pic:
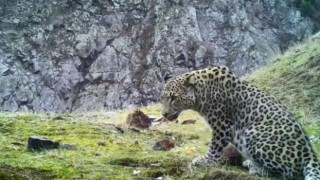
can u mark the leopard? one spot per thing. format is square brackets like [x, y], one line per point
[261, 128]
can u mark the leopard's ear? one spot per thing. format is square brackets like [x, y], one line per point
[190, 80]
[167, 77]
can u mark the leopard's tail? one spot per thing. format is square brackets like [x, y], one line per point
[312, 170]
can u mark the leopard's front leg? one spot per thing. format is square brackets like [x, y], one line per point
[220, 139]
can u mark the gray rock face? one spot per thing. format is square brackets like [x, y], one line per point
[92, 55]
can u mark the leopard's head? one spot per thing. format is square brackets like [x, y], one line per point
[178, 94]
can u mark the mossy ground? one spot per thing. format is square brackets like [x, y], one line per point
[104, 153]
[118, 156]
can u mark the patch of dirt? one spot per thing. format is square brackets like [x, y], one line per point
[164, 145]
[129, 162]
[189, 121]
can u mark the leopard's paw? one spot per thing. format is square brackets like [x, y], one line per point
[203, 161]
[254, 170]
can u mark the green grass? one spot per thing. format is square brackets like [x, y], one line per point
[118, 158]
[294, 79]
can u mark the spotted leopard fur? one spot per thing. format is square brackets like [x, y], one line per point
[256, 123]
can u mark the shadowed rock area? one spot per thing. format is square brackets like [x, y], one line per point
[78, 56]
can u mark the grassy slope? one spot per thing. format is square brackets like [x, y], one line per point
[293, 78]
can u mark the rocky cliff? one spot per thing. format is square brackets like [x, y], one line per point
[89, 55]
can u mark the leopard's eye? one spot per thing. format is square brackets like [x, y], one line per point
[172, 98]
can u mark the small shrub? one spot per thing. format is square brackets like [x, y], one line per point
[307, 7]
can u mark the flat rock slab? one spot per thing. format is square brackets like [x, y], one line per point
[36, 143]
